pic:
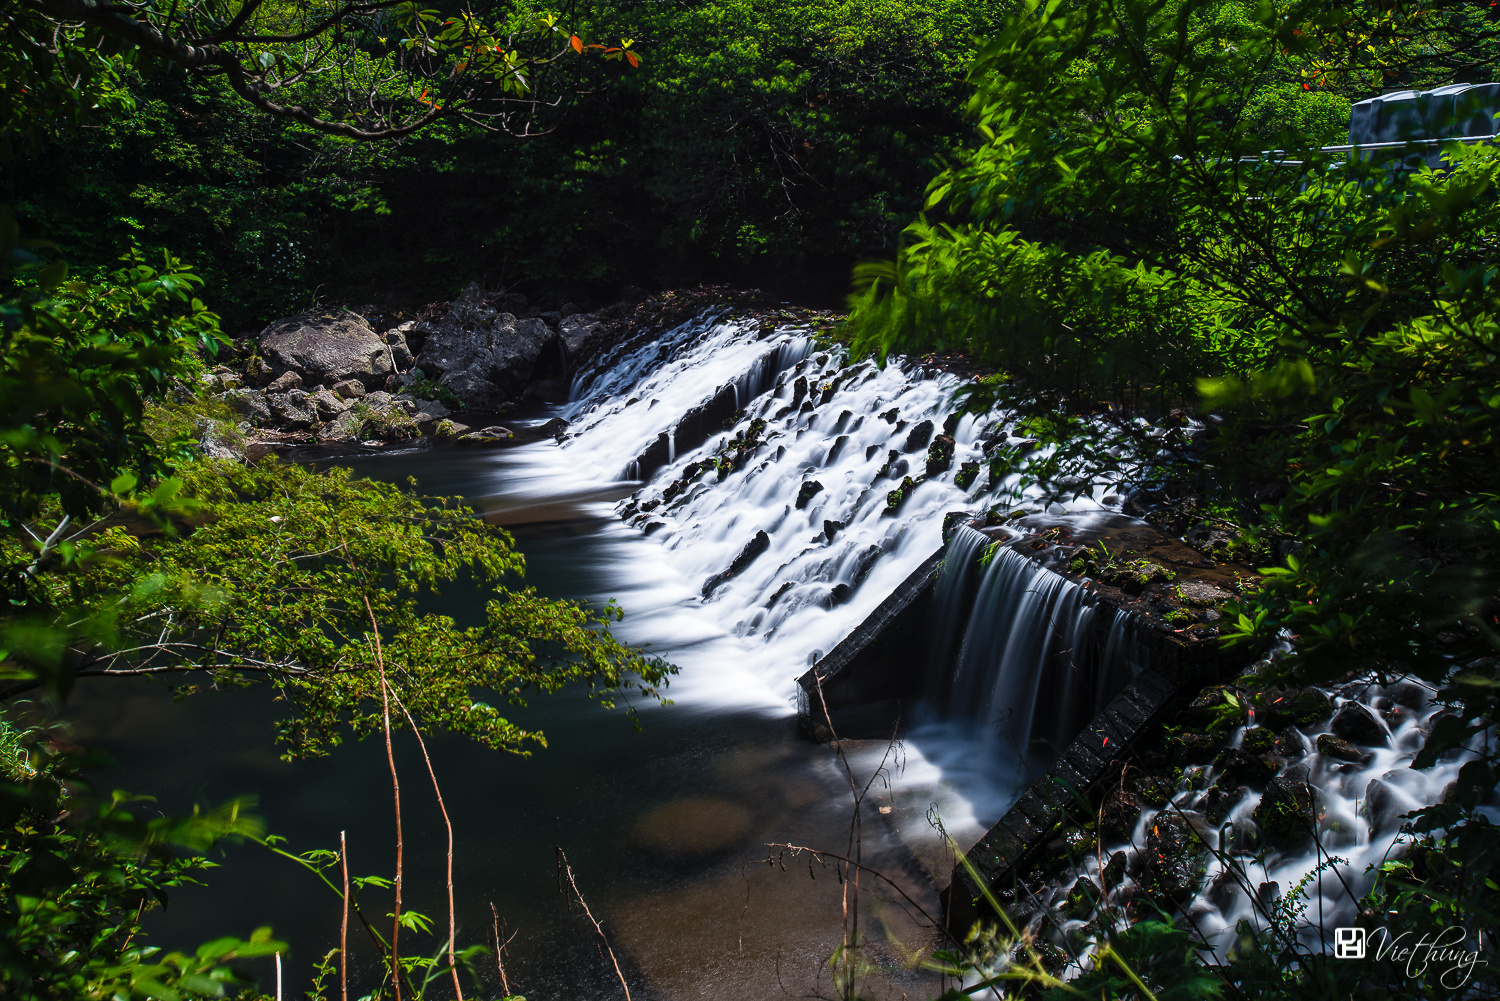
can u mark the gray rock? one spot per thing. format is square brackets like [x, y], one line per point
[328, 348]
[350, 389]
[216, 441]
[483, 355]
[285, 383]
[432, 409]
[345, 427]
[487, 435]
[249, 403]
[576, 329]
[291, 411]
[395, 339]
[1201, 594]
[328, 405]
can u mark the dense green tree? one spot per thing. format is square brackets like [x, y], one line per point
[1124, 249]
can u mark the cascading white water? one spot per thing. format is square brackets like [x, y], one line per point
[1029, 666]
[1315, 887]
[825, 565]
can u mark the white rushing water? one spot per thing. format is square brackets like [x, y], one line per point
[812, 573]
[747, 642]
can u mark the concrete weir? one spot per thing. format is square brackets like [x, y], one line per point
[863, 684]
[866, 684]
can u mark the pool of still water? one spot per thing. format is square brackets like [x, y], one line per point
[667, 828]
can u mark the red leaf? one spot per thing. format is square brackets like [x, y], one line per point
[577, 44]
[635, 60]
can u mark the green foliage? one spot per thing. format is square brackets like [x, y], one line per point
[1120, 245]
[77, 361]
[79, 871]
[279, 579]
[765, 142]
[1118, 568]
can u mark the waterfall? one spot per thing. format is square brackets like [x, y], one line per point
[1030, 666]
[765, 507]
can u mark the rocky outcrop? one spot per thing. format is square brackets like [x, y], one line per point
[485, 356]
[329, 348]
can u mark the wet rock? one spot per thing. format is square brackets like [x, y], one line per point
[1114, 870]
[1407, 694]
[328, 348]
[940, 455]
[835, 449]
[752, 549]
[1212, 705]
[918, 436]
[1118, 813]
[1289, 742]
[952, 520]
[1157, 790]
[967, 473]
[1334, 747]
[250, 404]
[1193, 748]
[831, 528]
[555, 428]
[1083, 898]
[951, 422]
[1358, 725]
[1258, 740]
[1285, 813]
[807, 492]
[1174, 856]
[895, 498]
[1383, 807]
[1240, 767]
[447, 429]
[1219, 800]
[1304, 707]
[890, 415]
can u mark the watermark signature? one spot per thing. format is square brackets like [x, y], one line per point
[1444, 954]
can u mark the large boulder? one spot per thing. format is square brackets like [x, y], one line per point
[483, 355]
[328, 348]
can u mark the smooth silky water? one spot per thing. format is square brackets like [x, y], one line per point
[666, 828]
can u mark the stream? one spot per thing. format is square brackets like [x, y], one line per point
[666, 828]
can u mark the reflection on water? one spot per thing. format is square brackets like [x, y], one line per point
[666, 828]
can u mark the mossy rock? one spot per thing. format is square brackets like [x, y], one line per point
[1259, 739]
[1285, 814]
[448, 430]
[1303, 707]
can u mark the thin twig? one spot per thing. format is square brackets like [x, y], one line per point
[500, 950]
[390, 757]
[452, 931]
[344, 922]
[565, 871]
